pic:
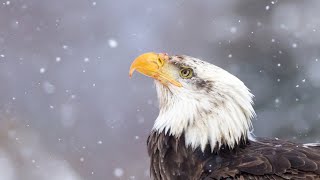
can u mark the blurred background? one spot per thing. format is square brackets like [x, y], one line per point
[68, 110]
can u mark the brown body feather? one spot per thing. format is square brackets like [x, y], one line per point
[261, 159]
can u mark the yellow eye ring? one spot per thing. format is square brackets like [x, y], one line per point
[186, 73]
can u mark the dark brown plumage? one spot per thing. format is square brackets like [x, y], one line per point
[262, 159]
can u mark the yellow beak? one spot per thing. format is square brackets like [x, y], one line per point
[156, 66]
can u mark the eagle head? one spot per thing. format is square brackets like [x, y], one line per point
[198, 100]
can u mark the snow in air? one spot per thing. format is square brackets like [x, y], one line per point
[294, 45]
[259, 24]
[113, 43]
[42, 70]
[233, 30]
[118, 172]
[58, 59]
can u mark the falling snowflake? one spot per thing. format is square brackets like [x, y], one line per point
[259, 24]
[233, 30]
[118, 172]
[112, 43]
[86, 59]
[42, 70]
[294, 45]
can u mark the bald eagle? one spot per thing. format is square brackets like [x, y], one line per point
[203, 130]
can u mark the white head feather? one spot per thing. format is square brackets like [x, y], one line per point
[213, 107]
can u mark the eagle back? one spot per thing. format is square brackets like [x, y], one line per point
[170, 159]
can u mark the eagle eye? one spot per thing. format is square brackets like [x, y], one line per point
[160, 61]
[186, 73]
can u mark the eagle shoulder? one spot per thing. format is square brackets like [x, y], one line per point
[261, 159]
[267, 159]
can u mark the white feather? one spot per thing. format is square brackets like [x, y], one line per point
[221, 116]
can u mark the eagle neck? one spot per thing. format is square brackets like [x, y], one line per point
[219, 118]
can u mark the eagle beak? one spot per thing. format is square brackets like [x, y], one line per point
[156, 66]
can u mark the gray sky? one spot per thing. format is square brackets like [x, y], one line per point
[68, 110]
